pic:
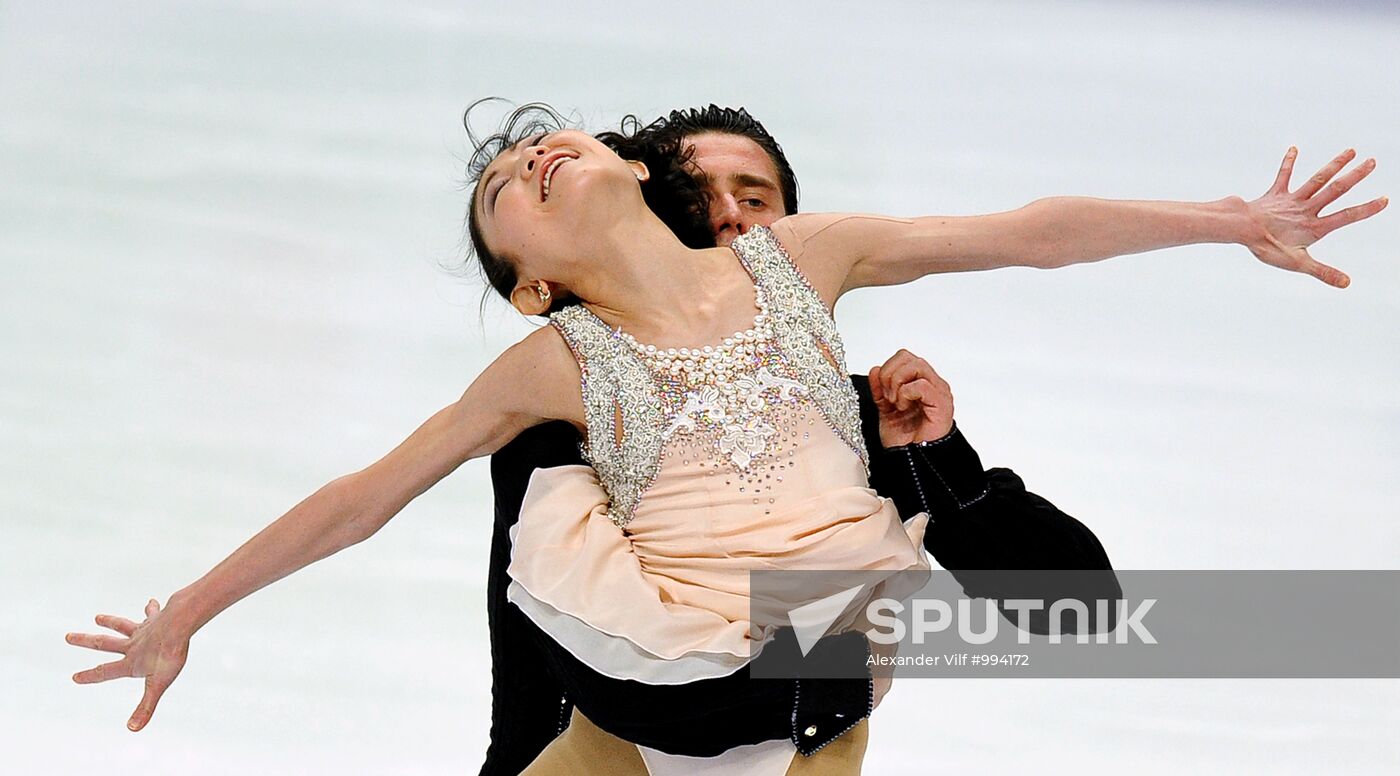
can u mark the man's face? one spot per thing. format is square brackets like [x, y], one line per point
[741, 180]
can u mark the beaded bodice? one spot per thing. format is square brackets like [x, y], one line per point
[732, 404]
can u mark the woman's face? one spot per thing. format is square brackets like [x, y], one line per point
[542, 197]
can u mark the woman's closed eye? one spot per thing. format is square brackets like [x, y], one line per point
[496, 191]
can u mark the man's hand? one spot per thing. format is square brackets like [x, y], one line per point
[1285, 223]
[915, 404]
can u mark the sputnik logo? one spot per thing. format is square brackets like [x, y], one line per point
[811, 621]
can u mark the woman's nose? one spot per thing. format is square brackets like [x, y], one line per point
[531, 157]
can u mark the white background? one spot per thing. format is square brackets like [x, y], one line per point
[224, 229]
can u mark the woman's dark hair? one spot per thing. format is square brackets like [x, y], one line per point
[671, 193]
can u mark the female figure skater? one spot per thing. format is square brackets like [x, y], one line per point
[710, 388]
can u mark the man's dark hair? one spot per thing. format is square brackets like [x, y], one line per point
[667, 134]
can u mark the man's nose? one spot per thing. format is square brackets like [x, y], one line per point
[726, 215]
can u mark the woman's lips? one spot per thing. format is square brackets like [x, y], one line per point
[551, 164]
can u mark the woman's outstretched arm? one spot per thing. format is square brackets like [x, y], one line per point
[344, 512]
[1277, 227]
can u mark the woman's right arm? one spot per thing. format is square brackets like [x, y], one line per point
[346, 510]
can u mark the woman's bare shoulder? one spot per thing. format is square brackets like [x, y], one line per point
[545, 376]
[825, 246]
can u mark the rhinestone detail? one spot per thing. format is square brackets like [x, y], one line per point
[741, 394]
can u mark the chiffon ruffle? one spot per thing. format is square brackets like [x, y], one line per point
[632, 609]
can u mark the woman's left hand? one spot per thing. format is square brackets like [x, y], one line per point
[1284, 223]
[154, 649]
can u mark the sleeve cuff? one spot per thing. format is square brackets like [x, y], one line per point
[947, 466]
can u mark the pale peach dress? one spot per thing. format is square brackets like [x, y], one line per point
[746, 456]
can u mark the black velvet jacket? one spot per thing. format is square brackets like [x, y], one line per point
[979, 520]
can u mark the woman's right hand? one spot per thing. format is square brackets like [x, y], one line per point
[154, 649]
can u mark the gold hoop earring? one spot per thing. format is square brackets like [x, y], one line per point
[544, 294]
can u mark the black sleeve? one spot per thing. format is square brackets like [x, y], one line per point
[528, 708]
[986, 528]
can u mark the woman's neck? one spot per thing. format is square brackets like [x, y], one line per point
[662, 292]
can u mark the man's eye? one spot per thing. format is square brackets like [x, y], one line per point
[751, 202]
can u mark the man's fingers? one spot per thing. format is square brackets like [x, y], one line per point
[899, 357]
[112, 670]
[877, 388]
[98, 641]
[147, 707]
[922, 392]
[152, 608]
[891, 367]
[1285, 171]
[1353, 214]
[119, 624]
[1316, 182]
[914, 369]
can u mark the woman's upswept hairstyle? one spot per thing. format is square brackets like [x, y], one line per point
[671, 193]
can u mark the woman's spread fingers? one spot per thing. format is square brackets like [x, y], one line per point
[119, 624]
[1353, 214]
[1316, 182]
[1342, 185]
[98, 641]
[112, 670]
[1329, 275]
[1285, 171]
[147, 707]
